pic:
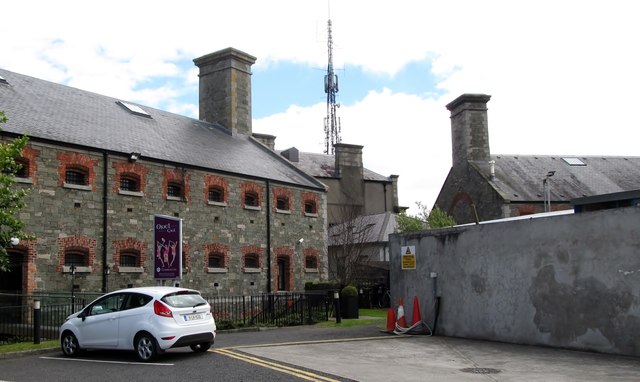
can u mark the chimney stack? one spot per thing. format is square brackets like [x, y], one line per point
[225, 89]
[469, 128]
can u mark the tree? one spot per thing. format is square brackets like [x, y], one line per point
[425, 219]
[11, 200]
[349, 252]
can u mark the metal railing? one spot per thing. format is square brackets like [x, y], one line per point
[18, 322]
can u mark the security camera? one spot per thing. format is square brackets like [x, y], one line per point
[301, 240]
[15, 241]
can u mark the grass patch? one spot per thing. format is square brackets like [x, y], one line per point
[373, 316]
[24, 346]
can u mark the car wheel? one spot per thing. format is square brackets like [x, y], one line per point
[69, 344]
[201, 348]
[146, 347]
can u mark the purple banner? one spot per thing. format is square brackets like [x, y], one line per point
[167, 247]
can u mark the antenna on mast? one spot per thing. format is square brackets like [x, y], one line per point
[331, 121]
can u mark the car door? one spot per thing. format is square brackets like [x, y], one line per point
[135, 311]
[99, 328]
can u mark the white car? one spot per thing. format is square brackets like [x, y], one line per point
[147, 320]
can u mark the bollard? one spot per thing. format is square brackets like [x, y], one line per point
[37, 319]
[336, 306]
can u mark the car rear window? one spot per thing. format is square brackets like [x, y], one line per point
[184, 299]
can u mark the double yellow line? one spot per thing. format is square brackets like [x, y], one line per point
[274, 366]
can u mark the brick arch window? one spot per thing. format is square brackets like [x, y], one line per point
[76, 250]
[77, 175]
[129, 177]
[76, 169]
[176, 184]
[130, 258]
[216, 260]
[311, 259]
[251, 195]
[216, 190]
[76, 257]
[129, 253]
[251, 260]
[217, 257]
[130, 182]
[23, 168]
[310, 202]
[283, 197]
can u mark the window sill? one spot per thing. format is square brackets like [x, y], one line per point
[311, 270]
[310, 215]
[24, 180]
[175, 198]
[217, 270]
[286, 212]
[82, 187]
[219, 204]
[252, 270]
[130, 270]
[67, 269]
[131, 193]
[252, 208]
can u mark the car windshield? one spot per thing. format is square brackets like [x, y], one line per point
[184, 299]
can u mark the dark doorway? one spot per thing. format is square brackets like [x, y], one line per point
[283, 274]
[11, 280]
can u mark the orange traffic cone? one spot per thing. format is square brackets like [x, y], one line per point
[391, 320]
[402, 321]
[416, 311]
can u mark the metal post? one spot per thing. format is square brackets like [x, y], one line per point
[73, 281]
[336, 305]
[37, 321]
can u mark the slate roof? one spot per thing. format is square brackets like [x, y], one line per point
[519, 178]
[377, 229]
[50, 111]
[324, 166]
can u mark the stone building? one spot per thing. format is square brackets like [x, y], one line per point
[99, 169]
[482, 186]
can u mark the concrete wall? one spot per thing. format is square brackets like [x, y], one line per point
[569, 281]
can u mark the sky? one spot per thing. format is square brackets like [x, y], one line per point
[564, 76]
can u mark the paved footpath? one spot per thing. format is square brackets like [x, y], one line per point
[425, 358]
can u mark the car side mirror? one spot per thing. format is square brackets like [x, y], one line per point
[83, 315]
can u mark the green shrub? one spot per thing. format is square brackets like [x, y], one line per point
[349, 291]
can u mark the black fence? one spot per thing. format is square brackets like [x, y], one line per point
[18, 323]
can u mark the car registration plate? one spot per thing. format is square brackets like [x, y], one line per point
[193, 317]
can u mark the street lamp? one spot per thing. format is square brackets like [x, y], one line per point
[547, 191]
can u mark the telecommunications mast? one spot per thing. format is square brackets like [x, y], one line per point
[331, 121]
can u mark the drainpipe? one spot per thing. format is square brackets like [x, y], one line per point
[105, 158]
[268, 237]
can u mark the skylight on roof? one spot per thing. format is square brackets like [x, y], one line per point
[134, 109]
[3, 80]
[573, 161]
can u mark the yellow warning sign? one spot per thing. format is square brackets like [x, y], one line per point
[408, 257]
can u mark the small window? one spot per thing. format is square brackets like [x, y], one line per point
[22, 170]
[129, 182]
[75, 257]
[310, 207]
[311, 262]
[216, 260]
[251, 260]
[76, 175]
[216, 194]
[251, 199]
[129, 259]
[282, 203]
[134, 109]
[174, 189]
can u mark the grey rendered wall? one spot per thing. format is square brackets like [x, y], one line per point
[569, 281]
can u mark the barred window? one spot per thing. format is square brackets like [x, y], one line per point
[174, 189]
[75, 257]
[311, 262]
[282, 203]
[310, 207]
[251, 260]
[130, 259]
[22, 170]
[129, 182]
[76, 175]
